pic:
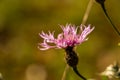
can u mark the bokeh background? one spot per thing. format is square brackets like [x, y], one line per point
[22, 20]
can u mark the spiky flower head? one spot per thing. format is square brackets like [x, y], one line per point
[69, 37]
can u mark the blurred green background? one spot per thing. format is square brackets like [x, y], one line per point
[22, 20]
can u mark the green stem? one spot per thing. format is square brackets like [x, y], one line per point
[87, 12]
[65, 73]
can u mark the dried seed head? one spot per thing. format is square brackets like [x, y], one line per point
[112, 71]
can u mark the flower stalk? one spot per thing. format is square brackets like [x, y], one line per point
[65, 72]
[87, 12]
[102, 3]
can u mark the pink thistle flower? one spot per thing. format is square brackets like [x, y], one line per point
[70, 37]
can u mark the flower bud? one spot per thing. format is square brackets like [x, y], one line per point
[71, 57]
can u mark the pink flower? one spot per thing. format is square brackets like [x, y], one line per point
[70, 37]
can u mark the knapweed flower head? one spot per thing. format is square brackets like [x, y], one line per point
[69, 37]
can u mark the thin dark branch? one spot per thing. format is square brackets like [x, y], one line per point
[115, 28]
